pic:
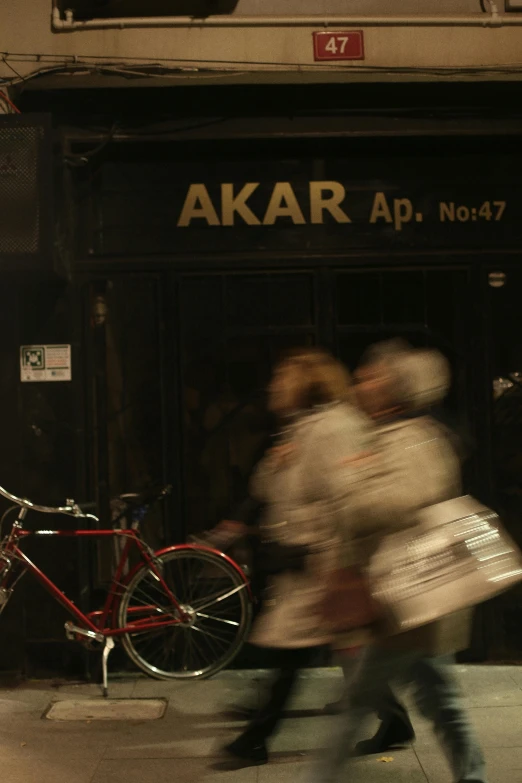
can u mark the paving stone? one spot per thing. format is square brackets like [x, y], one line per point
[23, 765]
[168, 771]
[503, 765]
[403, 768]
[185, 745]
[489, 686]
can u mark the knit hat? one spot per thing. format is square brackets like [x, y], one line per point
[420, 376]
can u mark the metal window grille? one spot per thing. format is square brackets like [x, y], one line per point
[25, 191]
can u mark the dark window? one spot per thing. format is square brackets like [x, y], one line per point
[234, 329]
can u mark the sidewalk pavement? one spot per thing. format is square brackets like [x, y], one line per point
[183, 746]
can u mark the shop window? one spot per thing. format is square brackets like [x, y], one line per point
[269, 301]
[359, 298]
[380, 298]
[403, 297]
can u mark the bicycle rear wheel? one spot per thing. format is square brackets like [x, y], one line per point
[214, 595]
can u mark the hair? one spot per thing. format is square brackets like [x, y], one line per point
[419, 377]
[321, 377]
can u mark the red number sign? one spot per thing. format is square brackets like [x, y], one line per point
[339, 46]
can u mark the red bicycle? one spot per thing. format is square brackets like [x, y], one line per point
[181, 612]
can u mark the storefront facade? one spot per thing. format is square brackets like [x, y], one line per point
[192, 256]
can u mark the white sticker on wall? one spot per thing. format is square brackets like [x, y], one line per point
[45, 363]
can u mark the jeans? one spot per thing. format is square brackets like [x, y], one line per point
[437, 697]
[390, 712]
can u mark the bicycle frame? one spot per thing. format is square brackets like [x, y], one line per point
[149, 615]
[97, 622]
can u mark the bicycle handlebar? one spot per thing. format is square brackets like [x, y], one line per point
[71, 509]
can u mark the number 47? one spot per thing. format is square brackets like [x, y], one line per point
[331, 46]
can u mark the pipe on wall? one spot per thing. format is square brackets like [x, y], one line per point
[493, 19]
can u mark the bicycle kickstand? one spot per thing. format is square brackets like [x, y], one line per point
[109, 645]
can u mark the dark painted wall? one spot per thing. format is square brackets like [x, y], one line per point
[42, 458]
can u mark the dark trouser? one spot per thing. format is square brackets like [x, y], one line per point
[390, 710]
[265, 722]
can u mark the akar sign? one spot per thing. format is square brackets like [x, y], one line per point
[325, 197]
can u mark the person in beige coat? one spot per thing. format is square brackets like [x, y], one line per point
[302, 485]
[413, 465]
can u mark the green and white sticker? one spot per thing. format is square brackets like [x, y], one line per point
[45, 363]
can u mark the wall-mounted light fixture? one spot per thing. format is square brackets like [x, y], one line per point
[497, 279]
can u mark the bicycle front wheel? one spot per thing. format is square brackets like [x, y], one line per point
[217, 603]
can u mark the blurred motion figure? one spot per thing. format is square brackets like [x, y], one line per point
[301, 486]
[413, 465]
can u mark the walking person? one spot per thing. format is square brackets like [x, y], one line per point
[395, 729]
[301, 486]
[414, 466]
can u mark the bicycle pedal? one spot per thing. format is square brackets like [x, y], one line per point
[4, 596]
[73, 631]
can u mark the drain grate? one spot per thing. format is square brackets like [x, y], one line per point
[106, 709]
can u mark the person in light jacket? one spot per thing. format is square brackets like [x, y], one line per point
[395, 729]
[302, 488]
[413, 465]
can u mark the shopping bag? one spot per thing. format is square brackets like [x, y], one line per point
[457, 555]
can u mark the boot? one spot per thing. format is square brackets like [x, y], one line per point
[246, 753]
[392, 733]
[334, 707]
[242, 711]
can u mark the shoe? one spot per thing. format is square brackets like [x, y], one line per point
[242, 711]
[394, 734]
[246, 754]
[334, 708]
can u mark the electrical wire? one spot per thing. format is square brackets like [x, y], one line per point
[9, 102]
[110, 70]
[18, 75]
[84, 158]
[168, 127]
[215, 68]
[148, 66]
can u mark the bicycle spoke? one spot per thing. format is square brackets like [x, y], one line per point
[213, 591]
[185, 654]
[147, 643]
[224, 630]
[210, 634]
[212, 600]
[217, 619]
[148, 600]
[217, 596]
[205, 653]
[198, 647]
[166, 650]
[194, 582]
[150, 632]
